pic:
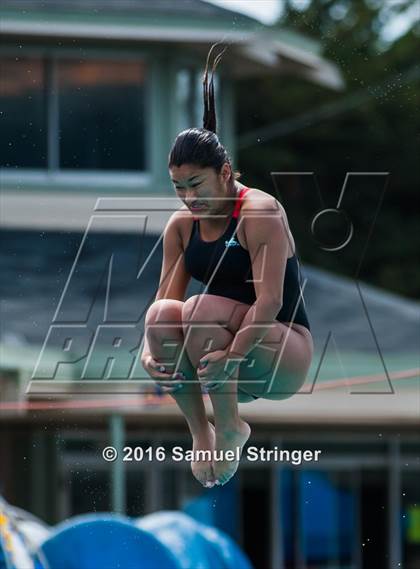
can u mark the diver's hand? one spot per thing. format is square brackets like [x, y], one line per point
[157, 371]
[212, 370]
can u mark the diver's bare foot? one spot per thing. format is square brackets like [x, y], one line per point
[230, 439]
[202, 469]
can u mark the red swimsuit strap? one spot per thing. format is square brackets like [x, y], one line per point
[239, 200]
[238, 203]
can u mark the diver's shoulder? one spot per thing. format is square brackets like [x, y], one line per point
[179, 220]
[180, 215]
[256, 199]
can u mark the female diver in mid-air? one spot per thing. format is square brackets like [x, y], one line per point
[247, 336]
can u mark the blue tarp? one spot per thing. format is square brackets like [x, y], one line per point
[163, 540]
[105, 541]
[197, 546]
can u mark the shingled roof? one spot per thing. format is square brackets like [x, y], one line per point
[35, 266]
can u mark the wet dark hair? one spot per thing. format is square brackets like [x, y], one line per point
[201, 146]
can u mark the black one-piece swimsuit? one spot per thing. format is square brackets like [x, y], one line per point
[232, 268]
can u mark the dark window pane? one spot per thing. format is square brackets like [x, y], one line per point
[23, 140]
[102, 114]
[136, 493]
[89, 491]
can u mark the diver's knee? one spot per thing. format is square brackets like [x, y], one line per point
[164, 310]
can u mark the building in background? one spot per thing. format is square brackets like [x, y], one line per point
[93, 94]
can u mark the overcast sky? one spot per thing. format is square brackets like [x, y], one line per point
[266, 11]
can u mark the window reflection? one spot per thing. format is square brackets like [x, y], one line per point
[23, 111]
[184, 98]
[101, 115]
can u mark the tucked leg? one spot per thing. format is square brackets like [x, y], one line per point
[203, 334]
[165, 337]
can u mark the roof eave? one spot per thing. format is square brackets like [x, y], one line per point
[260, 55]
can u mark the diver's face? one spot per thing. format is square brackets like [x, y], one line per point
[201, 189]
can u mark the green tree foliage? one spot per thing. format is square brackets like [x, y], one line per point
[373, 124]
